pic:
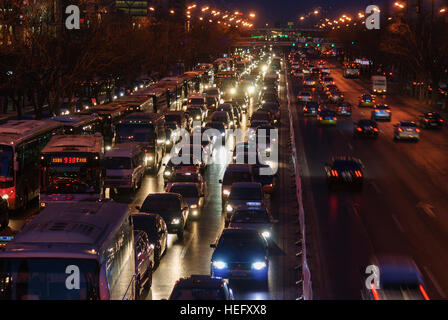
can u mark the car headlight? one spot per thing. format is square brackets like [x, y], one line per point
[226, 192]
[108, 148]
[5, 197]
[266, 234]
[259, 265]
[167, 173]
[219, 264]
[175, 221]
[168, 142]
[193, 206]
[151, 246]
[251, 89]
[148, 158]
[233, 91]
[229, 208]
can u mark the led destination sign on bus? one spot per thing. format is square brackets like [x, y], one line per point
[69, 160]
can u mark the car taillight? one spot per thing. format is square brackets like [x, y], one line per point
[441, 120]
[423, 291]
[306, 109]
[388, 111]
[400, 130]
[376, 110]
[320, 118]
[426, 120]
[375, 129]
[334, 173]
[335, 118]
[418, 130]
[358, 173]
[359, 129]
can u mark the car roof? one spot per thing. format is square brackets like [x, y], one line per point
[161, 195]
[199, 281]
[236, 231]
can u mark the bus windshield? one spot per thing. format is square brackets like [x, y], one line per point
[6, 166]
[136, 132]
[117, 163]
[45, 279]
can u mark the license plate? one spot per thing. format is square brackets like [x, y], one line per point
[239, 273]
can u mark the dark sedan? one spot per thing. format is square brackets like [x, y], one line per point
[344, 171]
[240, 254]
[365, 128]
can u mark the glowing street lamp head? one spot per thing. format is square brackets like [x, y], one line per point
[252, 15]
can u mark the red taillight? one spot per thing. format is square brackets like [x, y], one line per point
[306, 109]
[426, 120]
[335, 118]
[418, 130]
[441, 120]
[359, 129]
[376, 296]
[375, 129]
[376, 110]
[358, 173]
[400, 130]
[320, 118]
[334, 173]
[388, 111]
[423, 291]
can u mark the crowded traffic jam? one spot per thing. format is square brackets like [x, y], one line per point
[89, 171]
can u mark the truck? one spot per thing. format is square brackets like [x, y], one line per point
[379, 84]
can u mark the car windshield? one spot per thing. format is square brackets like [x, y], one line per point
[117, 163]
[161, 205]
[232, 177]
[146, 223]
[197, 294]
[234, 240]
[186, 177]
[345, 165]
[213, 92]
[260, 116]
[246, 193]
[305, 93]
[250, 216]
[134, 132]
[215, 125]
[196, 101]
[46, 279]
[185, 191]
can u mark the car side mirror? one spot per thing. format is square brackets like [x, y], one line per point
[212, 245]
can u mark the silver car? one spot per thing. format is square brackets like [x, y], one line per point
[192, 195]
[406, 130]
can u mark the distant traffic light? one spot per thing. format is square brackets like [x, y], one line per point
[306, 44]
[318, 44]
[294, 44]
[332, 45]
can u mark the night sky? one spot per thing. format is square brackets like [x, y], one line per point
[282, 11]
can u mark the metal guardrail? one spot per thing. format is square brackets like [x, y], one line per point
[304, 271]
[130, 290]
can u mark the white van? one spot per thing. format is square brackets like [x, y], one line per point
[379, 84]
[124, 166]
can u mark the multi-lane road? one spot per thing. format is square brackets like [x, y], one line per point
[402, 209]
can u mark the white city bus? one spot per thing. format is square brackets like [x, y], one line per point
[76, 251]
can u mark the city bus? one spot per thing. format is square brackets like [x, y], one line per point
[109, 116]
[149, 130]
[79, 124]
[159, 99]
[71, 168]
[21, 142]
[79, 251]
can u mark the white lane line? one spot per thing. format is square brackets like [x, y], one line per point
[427, 208]
[436, 284]
[400, 227]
